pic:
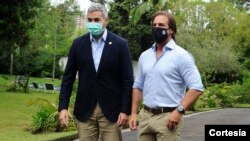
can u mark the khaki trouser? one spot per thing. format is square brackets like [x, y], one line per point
[154, 127]
[98, 127]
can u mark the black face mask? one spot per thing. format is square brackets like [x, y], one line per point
[160, 34]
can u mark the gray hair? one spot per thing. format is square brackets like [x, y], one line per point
[98, 7]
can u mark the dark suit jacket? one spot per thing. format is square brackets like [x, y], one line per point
[111, 86]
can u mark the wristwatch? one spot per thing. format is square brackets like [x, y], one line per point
[180, 109]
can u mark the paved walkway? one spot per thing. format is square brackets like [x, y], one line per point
[194, 124]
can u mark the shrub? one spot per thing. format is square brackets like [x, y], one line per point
[47, 117]
[241, 91]
[44, 120]
[216, 96]
[11, 86]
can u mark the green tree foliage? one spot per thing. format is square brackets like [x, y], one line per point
[207, 30]
[50, 38]
[145, 7]
[99, 1]
[139, 36]
[15, 20]
[59, 29]
[241, 39]
[47, 37]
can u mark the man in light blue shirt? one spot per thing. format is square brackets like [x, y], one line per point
[168, 81]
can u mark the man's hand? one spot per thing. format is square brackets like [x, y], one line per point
[122, 119]
[133, 123]
[64, 118]
[173, 119]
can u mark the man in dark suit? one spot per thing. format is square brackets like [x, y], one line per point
[103, 62]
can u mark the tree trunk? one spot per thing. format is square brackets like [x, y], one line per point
[54, 59]
[54, 67]
[11, 63]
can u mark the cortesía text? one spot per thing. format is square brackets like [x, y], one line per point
[213, 132]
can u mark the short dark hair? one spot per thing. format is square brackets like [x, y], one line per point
[171, 21]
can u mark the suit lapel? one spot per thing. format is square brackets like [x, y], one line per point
[105, 52]
[89, 54]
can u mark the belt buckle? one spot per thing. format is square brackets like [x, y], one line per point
[157, 111]
[152, 110]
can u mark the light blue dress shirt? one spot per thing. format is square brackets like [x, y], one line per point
[163, 81]
[97, 48]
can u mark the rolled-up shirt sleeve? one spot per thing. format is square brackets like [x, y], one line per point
[139, 81]
[190, 72]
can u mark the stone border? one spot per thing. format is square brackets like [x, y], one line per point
[67, 138]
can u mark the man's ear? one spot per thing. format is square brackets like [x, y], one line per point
[171, 31]
[106, 22]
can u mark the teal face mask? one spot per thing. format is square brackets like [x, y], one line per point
[94, 28]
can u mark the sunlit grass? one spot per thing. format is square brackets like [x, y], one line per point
[238, 105]
[16, 116]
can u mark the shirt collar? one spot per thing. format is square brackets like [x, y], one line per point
[104, 36]
[169, 46]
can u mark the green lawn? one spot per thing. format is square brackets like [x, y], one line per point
[16, 116]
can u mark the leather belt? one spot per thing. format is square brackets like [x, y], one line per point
[159, 110]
